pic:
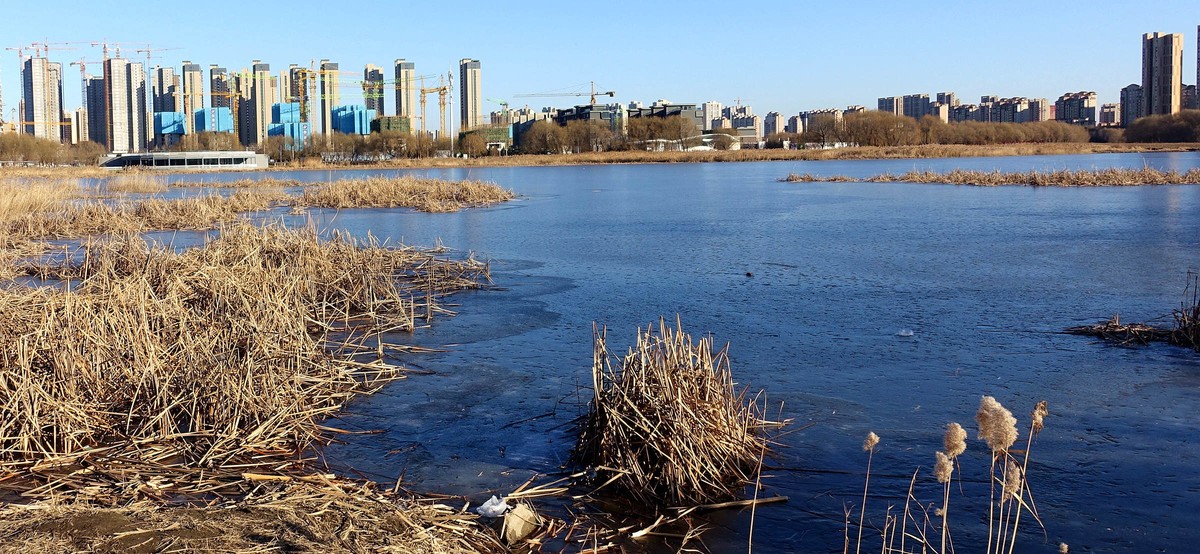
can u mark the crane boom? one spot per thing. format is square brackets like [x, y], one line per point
[592, 95]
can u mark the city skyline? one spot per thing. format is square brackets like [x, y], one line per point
[652, 52]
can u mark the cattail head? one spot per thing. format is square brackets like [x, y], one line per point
[1063, 548]
[944, 468]
[1039, 413]
[872, 440]
[955, 440]
[1012, 480]
[997, 425]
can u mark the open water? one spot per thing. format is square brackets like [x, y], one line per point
[810, 284]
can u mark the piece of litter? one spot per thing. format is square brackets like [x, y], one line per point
[904, 333]
[494, 507]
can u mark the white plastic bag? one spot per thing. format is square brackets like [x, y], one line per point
[495, 507]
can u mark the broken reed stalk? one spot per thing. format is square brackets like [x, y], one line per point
[1186, 331]
[668, 428]
[163, 374]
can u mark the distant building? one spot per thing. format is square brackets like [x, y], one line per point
[1189, 100]
[1162, 73]
[1077, 108]
[192, 94]
[690, 112]
[892, 104]
[97, 114]
[392, 124]
[611, 116]
[213, 120]
[773, 123]
[947, 98]
[373, 88]
[79, 125]
[1039, 110]
[406, 89]
[1110, 115]
[1131, 104]
[125, 89]
[169, 127]
[327, 82]
[471, 100]
[854, 109]
[286, 122]
[710, 111]
[354, 119]
[915, 106]
[218, 87]
[264, 94]
[166, 90]
[42, 98]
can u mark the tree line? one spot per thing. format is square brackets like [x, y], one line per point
[876, 128]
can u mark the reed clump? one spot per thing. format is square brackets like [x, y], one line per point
[810, 178]
[95, 217]
[668, 427]
[136, 182]
[1186, 331]
[1061, 178]
[161, 374]
[21, 197]
[268, 182]
[427, 195]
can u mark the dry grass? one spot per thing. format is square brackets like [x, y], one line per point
[136, 181]
[427, 195]
[242, 183]
[668, 428]
[1186, 331]
[164, 375]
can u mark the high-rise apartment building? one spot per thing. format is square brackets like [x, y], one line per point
[41, 98]
[1131, 104]
[471, 102]
[892, 104]
[711, 111]
[1190, 99]
[97, 114]
[296, 91]
[373, 88]
[948, 98]
[218, 87]
[327, 82]
[1078, 108]
[166, 90]
[125, 98]
[264, 93]
[406, 89]
[1162, 73]
[192, 94]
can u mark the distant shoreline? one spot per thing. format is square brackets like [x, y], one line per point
[930, 151]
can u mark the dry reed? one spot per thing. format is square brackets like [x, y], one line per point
[166, 375]
[1186, 331]
[668, 428]
[1010, 495]
[1108, 177]
[136, 182]
[428, 195]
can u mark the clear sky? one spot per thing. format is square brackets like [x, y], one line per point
[784, 56]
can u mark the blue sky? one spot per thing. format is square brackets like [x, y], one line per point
[776, 56]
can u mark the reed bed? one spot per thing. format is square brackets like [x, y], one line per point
[427, 195]
[167, 375]
[20, 197]
[668, 428]
[136, 182]
[95, 217]
[242, 183]
[1110, 177]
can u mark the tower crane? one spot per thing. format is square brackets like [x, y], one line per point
[444, 89]
[592, 95]
[503, 107]
[104, 44]
[20, 50]
[83, 78]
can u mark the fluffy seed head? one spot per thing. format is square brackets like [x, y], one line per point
[997, 425]
[944, 468]
[1063, 548]
[872, 440]
[955, 440]
[1012, 479]
[1039, 413]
